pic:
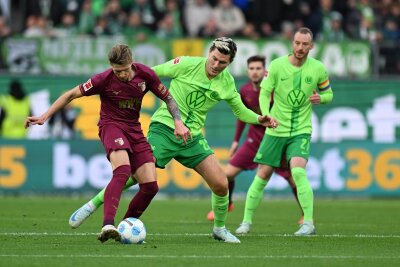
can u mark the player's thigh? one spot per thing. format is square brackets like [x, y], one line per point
[192, 154]
[243, 158]
[271, 150]
[163, 144]
[232, 171]
[146, 173]
[298, 150]
[119, 158]
[213, 174]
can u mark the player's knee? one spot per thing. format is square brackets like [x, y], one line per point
[150, 188]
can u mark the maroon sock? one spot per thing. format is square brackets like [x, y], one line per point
[113, 192]
[231, 186]
[142, 199]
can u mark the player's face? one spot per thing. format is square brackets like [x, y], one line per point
[302, 44]
[124, 73]
[216, 63]
[256, 71]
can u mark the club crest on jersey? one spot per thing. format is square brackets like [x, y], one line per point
[87, 85]
[177, 60]
[119, 141]
[142, 86]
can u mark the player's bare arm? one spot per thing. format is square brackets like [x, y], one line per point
[180, 131]
[60, 103]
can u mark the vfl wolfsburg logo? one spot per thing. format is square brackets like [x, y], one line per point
[296, 98]
[214, 95]
[195, 100]
[308, 80]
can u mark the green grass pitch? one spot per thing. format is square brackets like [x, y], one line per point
[34, 231]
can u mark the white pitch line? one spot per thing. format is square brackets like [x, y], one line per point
[197, 234]
[203, 256]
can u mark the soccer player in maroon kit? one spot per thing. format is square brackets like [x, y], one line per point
[242, 158]
[121, 89]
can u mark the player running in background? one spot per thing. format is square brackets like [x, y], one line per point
[293, 79]
[197, 84]
[242, 159]
[121, 89]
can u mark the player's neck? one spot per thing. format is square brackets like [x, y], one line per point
[256, 86]
[296, 61]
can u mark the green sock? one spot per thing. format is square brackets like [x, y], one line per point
[220, 208]
[304, 192]
[253, 199]
[98, 200]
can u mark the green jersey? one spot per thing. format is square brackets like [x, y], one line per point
[292, 87]
[195, 94]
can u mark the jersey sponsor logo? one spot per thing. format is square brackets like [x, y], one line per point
[87, 85]
[142, 86]
[195, 100]
[119, 141]
[176, 60]
[296, 98]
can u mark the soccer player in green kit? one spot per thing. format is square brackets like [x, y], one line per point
[197, 85]
[294, 79]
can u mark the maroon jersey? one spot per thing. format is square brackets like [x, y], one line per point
[121, 101]
[255, 133]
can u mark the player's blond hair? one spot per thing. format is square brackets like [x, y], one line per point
[120, 54]
[225, 46]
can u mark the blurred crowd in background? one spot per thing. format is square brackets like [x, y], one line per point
[372, 20]
[376, 21]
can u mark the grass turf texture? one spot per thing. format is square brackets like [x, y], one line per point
[34, 231]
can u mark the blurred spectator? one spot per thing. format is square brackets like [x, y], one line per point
[249, 31]
[5, 10]
[287, 31]
[101, 28]
[115, 17]
[210, 29]
[37, 26]
[266, 30]
[87, 18]
[172, 9]
[62, 123]
[167, 28]
[230, 19]
[67, 27]
[135, 29]
[14, 108]
[5, 30]
[336, 33]
[196, 15]
[148, 12]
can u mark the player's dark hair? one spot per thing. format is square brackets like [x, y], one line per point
[120, 54]
[305, 30]
[256, 58]
[225, 46]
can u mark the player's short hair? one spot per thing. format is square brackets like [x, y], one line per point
[256, 58]
[305, 30]
[225, 46]
[120, 54]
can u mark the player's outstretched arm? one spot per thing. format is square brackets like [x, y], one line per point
[60, 103]
[180, 131]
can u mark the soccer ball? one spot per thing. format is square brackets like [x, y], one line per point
[132, 231]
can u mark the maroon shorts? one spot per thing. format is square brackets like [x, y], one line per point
[131, 139]
[243, 158]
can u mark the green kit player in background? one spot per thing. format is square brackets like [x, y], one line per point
[294, 79]
[197, 85]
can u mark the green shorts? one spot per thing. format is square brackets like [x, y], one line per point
[166, 147]
[272, 148]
